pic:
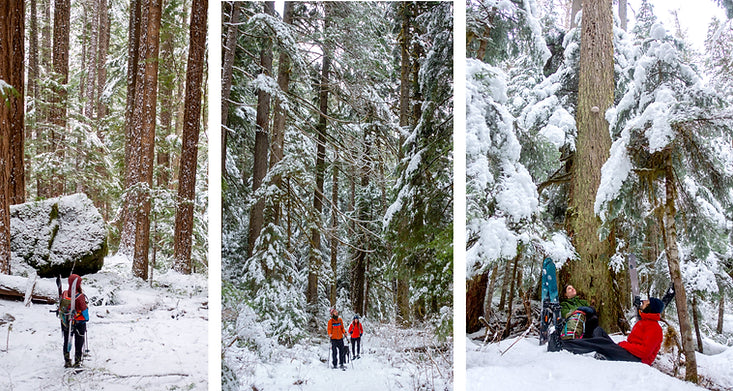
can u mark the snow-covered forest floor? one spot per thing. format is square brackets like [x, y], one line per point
[391, 359]
[528, 366]
[139, 338]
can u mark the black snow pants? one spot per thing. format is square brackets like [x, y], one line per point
[355, 346]
[78, 332]
[601, 343]
[337, 345]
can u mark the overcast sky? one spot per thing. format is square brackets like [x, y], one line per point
[694, 15]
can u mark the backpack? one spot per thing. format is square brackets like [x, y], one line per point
[64, 311]
[574, 326]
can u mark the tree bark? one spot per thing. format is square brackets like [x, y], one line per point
[104, 37]
[92, 63]
[510, 300]
[475, 295]
[14, 74]
[32, 91]
[144, 124]
[505, 284]
[334, 233]
[61, 32]
[230, 48]
[315, 259]
[132, 136]
[590, 273]
[670, 244]
[167, 105]
[278, 126]
[622, 14]
[721, 313]
[12, 28]
[191, 127]
[576, 7]
[489, 298]
[259, 169]
[696, 322]
[43, 131]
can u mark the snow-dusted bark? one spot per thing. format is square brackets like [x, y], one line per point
[191, 129]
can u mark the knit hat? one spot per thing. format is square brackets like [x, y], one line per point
[356, 317]
[333, 311]
[655, 306]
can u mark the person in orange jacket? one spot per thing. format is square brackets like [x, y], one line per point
[337, 333]
[356, 330]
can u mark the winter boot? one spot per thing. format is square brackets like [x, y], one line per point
[554, 344]
[77, 361]
[67, 360]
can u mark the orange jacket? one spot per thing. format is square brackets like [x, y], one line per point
[336, 328]
[356, 329]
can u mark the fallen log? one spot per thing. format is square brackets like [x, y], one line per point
[15, 287]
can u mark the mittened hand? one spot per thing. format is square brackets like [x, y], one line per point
[637, 301]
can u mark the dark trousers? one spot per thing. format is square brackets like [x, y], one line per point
[78, 332]
[601, 343]
[355, 346]
[337, 345]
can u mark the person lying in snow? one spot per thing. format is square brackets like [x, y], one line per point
[356, 330]
[77, 321]
[578, 314]
[337, 332]
[642, 344]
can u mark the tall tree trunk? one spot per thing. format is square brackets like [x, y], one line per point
[32, 83]
[590, 273]
[43, 131]
[191, 127]
[61, 32]
[12, 31]
[360, 261]
[405, 39]
[259, 169]
[315, 258]
[14, 74]
[167, 80]
[230, 48]
[144, 123]
[510, 300]
[334, 233]
[278, 126]
[670, 244]
[102, 59]
[91, 77]
[132, 136]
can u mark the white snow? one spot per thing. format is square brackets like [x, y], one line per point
[388, 362]
[139, 338]
[528, 366]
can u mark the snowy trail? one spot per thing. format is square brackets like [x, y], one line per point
[529, 366]
[386, 363]
[148, 339]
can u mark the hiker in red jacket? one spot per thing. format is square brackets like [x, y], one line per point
[642, 344]
[356, 330]
[77, 321]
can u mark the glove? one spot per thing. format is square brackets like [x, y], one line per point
[637, 301]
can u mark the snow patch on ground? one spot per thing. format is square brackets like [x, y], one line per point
[390, 360]
[528, 366]
[139, 338]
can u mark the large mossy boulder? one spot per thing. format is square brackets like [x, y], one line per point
[58, 234]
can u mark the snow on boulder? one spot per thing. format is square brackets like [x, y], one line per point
[54, 235]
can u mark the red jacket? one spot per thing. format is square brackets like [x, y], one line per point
[356, 329]
[645, 338]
